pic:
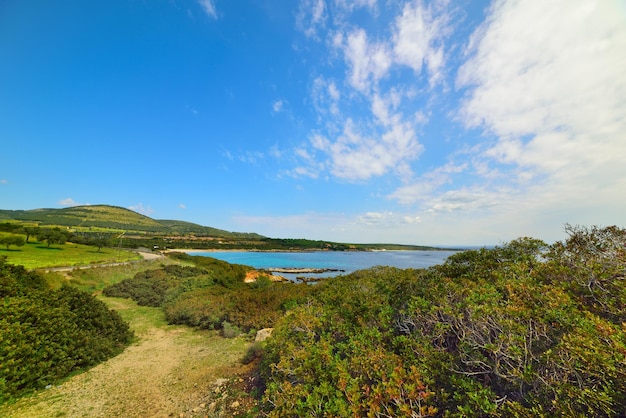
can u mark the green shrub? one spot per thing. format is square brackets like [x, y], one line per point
[254, 352]
[523, 329]
[150, 287]
[229, 330]
[47, 334]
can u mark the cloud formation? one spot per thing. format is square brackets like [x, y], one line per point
[556, 102]
[140, 208]
[208, 7]
[534, 101]
[68, 202]
[367, 131]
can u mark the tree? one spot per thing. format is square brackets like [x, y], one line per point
[31, 231]
[99, 240]
[52, 236]
[12, 240]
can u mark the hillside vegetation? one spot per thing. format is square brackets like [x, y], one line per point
[118, 226]
[109, 217]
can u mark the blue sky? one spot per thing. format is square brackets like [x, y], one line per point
[417, 122]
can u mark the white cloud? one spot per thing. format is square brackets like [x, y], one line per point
[352, 144]
[140, 208]
[182, 206]
[351, 5]
[311, 17]
[566, 76]
[325, 96]
[355, 156]
[275, 152]
[208, 6]
[277, 106]
[425, 187]
[68, 202]
[368, 62]
[535, 140]
[386, 219]
[416, 38]
[464, 199]
[4, 181]
[251, 157]
[374, 218]
[547, 80]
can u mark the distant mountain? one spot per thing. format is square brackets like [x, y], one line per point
[114, 217]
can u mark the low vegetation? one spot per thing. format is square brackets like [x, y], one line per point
[45, 334]
[523, 329]
[211, 295]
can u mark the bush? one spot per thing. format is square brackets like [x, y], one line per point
[45, 335]
[254, 352]
[229, 330]
[150, 287]
[524, 329]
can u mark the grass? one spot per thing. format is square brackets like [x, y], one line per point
[36, 255]
[141, 318]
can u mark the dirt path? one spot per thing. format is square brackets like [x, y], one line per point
[170, 372]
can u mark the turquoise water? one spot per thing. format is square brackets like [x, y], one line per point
[346, 261]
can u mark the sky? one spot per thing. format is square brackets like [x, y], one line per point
[366, 121]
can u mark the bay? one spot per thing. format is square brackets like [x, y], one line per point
[345, 261]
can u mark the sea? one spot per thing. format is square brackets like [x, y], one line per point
[345, 262]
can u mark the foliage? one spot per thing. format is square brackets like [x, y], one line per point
[9, 240]
[113, 218]
[524, 329]
[211, 295]
[52, 236]
[47, 334]
[149, 288]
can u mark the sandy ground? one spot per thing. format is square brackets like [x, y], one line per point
[171, 371]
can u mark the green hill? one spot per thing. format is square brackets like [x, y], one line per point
[142, 230]
[113, 217]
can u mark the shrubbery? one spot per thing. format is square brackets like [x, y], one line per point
[45, 335]
[211, 294]
[150, 287]
[524, 329]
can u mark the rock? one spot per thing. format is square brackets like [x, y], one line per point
[253, 275]
[263, 334]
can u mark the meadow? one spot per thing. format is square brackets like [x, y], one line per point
[38, 255]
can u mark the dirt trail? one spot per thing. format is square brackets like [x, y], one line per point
[170, 372]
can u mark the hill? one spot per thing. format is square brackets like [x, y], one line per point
[143, 231]
[113, 217]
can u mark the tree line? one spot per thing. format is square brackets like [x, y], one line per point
[20, 235]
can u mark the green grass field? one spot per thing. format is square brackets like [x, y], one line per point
[35, 255]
